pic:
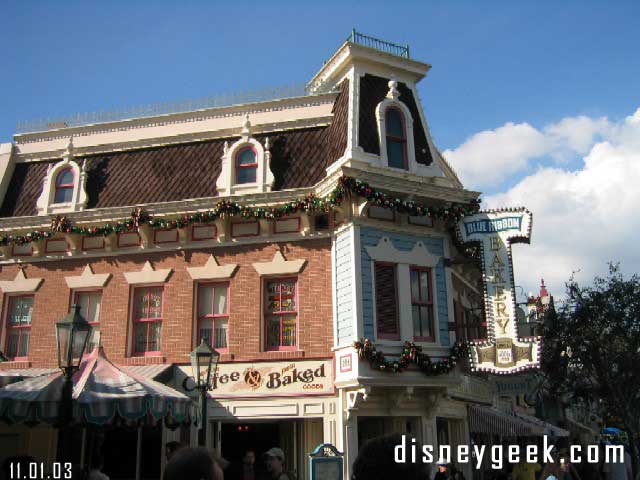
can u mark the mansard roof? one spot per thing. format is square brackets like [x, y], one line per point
[299, 158]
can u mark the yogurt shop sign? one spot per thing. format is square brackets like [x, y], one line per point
[305, 377]
[495, 231]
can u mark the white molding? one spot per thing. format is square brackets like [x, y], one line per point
[386, 251]
[392, 101]
[87, 279]
[46, 201]
[21, 284]
[148, 275]
[226, 184]
[279, 266]
[212, 270]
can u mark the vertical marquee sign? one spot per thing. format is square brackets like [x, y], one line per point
[495, 231]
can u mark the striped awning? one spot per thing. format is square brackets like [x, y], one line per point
[548, 428]
[15, 374]
[102, 393]
[490, 420]
[150, 371]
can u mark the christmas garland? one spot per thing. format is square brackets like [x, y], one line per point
[346, 186]
[411, 354]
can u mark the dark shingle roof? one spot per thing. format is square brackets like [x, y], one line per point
[178, 172]
[372, 91]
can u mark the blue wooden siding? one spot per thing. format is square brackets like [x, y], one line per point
[344, 253]
[370, 237]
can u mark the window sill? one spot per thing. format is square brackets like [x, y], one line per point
[19, 363]
[145, 360]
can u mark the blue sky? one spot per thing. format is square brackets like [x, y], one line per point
[507, 69]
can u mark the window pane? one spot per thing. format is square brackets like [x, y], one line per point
[94, 340]
[205, 302]
[94, 310]
[273, 332]
[288, 294]
[273, 296]
[247, 157]
[12, 344]
[288, 331]
[220, 304]
[415, 312]
[424, 286]
[395, 153]
[65, 177]
[221, 334]
[23, 351]
[155, 303]
[415, 286]
[148, 303]
[206, 330]
[155, 329]
[425, 321]
[21, 309]
[63, 194]
[247, 175]
[140, 337]
[82, 299]
[394, 123]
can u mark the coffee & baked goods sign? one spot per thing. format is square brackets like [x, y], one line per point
[305, 377]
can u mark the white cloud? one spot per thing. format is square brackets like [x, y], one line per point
[581, 219]
[489, 157]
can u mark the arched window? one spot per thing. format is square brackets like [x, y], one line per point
[64, 186]
[396, 138]
[246, 166]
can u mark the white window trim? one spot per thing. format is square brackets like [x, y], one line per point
[21, 284]
[381, 110]
[148, 276]
[130, 322]
[279, 266]
[87, 280]
[419, 256]
[226, 182]
[213, 271]
[45, 204]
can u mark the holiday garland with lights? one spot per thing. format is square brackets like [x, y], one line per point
[411, 354]
[309, 203]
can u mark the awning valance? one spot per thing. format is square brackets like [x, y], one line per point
[490, 420]
[102, 392]
[547, 428]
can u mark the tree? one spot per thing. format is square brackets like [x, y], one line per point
[591, 348]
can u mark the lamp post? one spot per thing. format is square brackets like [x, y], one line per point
[203, 360]
[72, 333]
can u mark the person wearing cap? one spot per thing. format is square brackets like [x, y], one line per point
[443, 471]
[275, 464]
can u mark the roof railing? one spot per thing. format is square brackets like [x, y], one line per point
[377, 44]
[166, 108]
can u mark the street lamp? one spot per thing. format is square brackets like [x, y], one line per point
[72, 333]
[203, 360]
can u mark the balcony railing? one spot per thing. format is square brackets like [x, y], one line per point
[377, 44]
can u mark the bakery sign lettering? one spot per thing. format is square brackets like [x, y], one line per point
[495, 231]
[305, 377]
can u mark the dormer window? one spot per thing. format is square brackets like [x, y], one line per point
[246, 166]
[64, 186]
[396, 138]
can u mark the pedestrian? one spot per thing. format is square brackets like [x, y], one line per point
[275, 464]
[193, 464]
[97, 464]
[376, 460]
[443, 471]
[525, 470]
[171, 448]
[246, 470]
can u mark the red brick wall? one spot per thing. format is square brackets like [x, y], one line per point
[52, 300]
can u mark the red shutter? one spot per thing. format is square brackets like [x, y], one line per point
[386, 309]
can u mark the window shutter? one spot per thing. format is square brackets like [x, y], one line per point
[386, 308]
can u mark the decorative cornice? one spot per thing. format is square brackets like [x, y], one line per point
[386, 251]
[212, 270]
[88, 279]
[148, 275]
[279, 266]
[20, 284]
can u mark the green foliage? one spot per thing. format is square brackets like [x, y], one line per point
[591, 346]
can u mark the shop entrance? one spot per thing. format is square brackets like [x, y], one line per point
[296, 438]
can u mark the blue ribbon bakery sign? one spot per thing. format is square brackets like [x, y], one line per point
[495, 230]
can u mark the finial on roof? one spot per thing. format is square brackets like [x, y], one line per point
[69, 151]
[246, 126]
[543, 289]
[393, 92]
